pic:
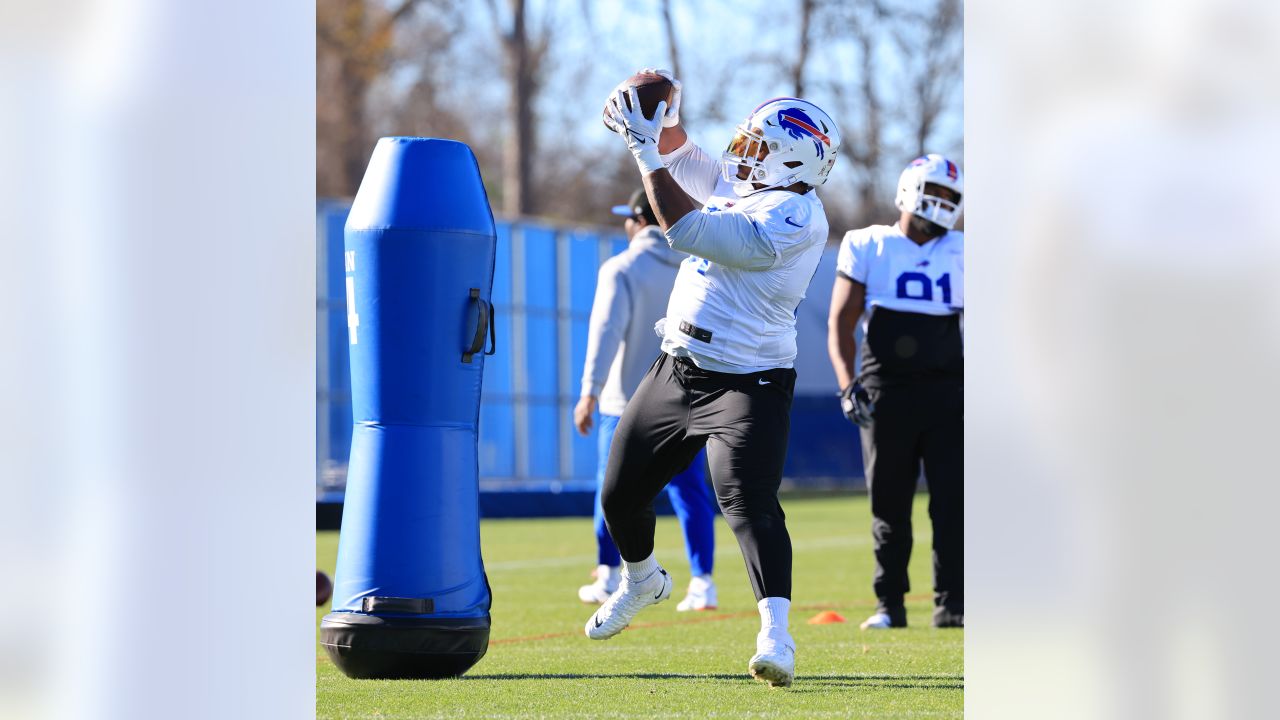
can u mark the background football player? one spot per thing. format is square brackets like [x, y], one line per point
[631, 291]
[755, 229]
[907, 281]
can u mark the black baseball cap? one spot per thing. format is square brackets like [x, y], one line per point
[637, 206]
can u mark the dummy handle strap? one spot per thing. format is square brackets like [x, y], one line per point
[484, 324]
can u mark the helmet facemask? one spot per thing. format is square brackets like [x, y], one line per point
[932, 206]
[743, 160]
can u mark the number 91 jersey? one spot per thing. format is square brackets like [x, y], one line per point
[901, 275]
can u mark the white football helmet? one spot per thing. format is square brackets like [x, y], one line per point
[783, 141]
[936, 169]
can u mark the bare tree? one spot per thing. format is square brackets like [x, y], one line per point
[890, 72]
[523, 56]
[889, 111]
[431, 74]
[578, 182]
[802, 51]
[864, 138]
[932, 38]
[353, 43]
[669, 24]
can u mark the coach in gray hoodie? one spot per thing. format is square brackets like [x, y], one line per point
[631, 295]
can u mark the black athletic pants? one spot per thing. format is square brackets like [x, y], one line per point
[917, 422]
[743, 420]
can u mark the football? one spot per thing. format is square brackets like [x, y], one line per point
[651, 88]
[324, 588]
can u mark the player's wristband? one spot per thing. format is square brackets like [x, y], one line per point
[647, 158]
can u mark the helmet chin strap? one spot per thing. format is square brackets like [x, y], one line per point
[743, 188]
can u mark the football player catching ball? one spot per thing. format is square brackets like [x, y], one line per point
[755, 229]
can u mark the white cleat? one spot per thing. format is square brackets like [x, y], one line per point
[632, 597]
[879, 621]
[701, 595]
[607, 579]
[774, 661]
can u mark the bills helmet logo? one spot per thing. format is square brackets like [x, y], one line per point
[952, 171]
[799, 125]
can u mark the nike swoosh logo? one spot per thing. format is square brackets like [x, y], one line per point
[789, 221]
[596, 617]
[638, 137]
[763, 381]
[661, 587]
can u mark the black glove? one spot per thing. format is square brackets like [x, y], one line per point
[857, 405]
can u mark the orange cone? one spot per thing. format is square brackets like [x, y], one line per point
[826, 617]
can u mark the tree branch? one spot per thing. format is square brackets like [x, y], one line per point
[669, 24]
[495, 16]
[405, 7]
[802, 57]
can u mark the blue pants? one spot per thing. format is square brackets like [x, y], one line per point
[689, 498]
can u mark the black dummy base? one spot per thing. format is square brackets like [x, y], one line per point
[394, 648]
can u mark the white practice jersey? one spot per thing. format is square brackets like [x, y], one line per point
[733, 307]
[901, 275]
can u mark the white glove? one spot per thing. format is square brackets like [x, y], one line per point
[672, 117]
[641, 133]
[609, 120]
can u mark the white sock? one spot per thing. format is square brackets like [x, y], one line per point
[606, 573]
[773, 615]
[639, 571]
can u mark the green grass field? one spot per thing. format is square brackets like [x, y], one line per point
[670, 664]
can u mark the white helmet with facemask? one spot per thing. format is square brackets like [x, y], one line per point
[931, 169]
[782, 142]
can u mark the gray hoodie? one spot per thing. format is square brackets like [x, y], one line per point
[631, 295]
